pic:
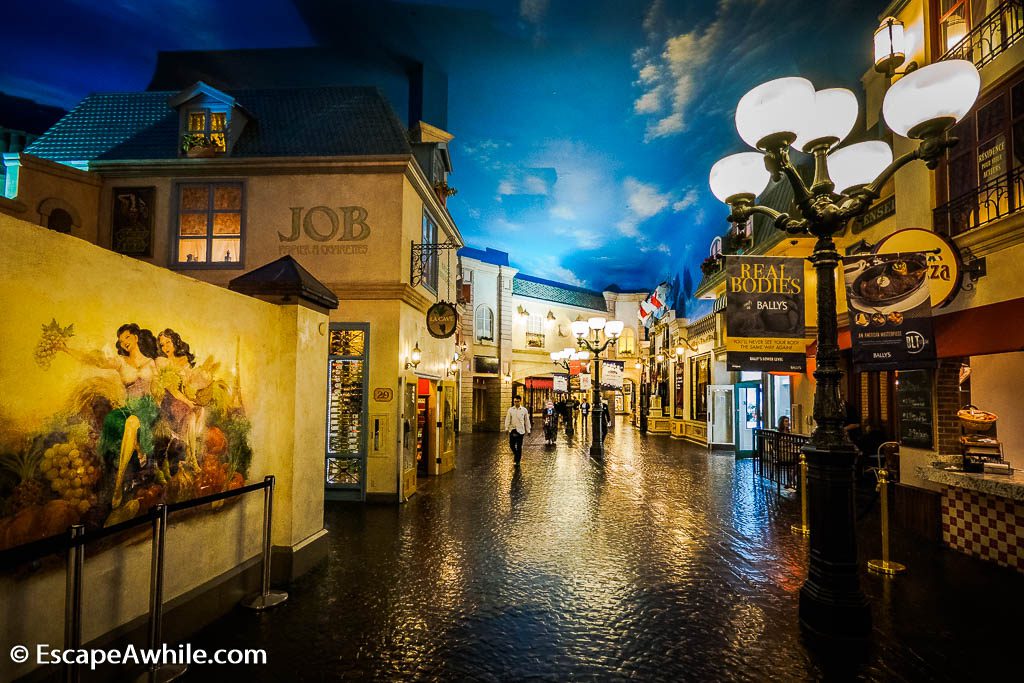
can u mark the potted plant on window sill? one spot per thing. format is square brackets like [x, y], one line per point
[198, 146]
[444, 191]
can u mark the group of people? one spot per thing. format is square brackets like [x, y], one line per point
[518, 424]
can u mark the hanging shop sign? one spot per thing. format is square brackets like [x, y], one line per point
[442, 319]
[561, 382]
[889, 301]
[585, 382]
[611, 373]
[764, 314]
[945, 268]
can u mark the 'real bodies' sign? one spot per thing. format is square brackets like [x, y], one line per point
[326, 230]
[764, 314]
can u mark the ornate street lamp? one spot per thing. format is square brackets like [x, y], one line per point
[612, 330]
[922, 105]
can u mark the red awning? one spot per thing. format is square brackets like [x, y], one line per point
[844, 343]
[996, 328]
[540, 383]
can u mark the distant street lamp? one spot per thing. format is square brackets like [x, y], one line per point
[612, 330]
[922, 105]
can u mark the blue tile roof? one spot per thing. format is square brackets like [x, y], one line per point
[323, 121]
[492, 256]
[557, 292]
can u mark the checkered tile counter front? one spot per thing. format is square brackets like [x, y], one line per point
[989, 527]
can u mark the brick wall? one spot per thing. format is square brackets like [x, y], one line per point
[947, 403]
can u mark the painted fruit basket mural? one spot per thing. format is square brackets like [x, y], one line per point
[148, 424]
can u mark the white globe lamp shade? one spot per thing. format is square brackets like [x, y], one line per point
[832, 118]
[580, 355]
[596, 323]
[858, 164]
[775, 112]
[613, 328]
[737, 175]
[931, 99]
[568, 351]
[579, 327]
[556, 356]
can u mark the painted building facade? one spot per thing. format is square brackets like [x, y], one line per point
[514, 322]
[215, 184]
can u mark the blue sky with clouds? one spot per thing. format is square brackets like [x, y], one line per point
[584, 131]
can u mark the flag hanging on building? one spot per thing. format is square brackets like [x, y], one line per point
[655, 306]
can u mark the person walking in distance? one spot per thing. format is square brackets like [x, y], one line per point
[517, 424]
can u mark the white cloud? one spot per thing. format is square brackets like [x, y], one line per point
[689, 199]
[663, 248]
[643, 199]
[564, 212]
[533, 10]
[675, 72]
[519, 184]
[649, 102]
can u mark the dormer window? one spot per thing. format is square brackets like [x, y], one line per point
[212, 125]
[209, 121]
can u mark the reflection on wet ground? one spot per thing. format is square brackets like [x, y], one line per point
[665, 563]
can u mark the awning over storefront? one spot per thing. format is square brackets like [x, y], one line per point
[996, 328]
[540, 383]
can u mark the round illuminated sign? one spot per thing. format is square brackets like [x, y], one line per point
[442, 320]
[944, 265]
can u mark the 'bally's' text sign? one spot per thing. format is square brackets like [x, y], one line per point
[324, 224]
[764, 314]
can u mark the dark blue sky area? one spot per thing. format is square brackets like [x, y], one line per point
[584, 131]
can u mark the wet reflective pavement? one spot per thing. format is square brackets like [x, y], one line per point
[666, 563]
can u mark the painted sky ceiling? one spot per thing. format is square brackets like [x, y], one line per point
[584, 130]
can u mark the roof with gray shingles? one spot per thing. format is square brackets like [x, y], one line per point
[557, 292]
[322, 121]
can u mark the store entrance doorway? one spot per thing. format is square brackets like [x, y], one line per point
[425, 431]
[748, 416]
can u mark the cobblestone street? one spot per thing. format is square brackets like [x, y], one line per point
[669, 563]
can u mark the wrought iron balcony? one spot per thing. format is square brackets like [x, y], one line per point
[995, 199]
[993, 36]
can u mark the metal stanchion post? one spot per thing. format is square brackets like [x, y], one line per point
[266, 598]
[884, 566]
[802, 527]
[159, 673]
[73, 602]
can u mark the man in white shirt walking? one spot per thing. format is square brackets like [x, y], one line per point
[517, 424]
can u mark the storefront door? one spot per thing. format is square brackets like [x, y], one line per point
[425, 428]
[348, 371]
[409, 440]
[446, 399]
[720, 416]
[748, 416]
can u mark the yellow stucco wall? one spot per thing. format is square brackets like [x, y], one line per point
[277, 354]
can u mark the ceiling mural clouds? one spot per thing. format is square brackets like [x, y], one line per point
[584, 132]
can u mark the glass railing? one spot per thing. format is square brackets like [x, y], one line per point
[993, 36]
[995, 199]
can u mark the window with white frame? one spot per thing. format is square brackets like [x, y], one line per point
[429, 237]
[210, 222]
[484, 324]
[535, 332]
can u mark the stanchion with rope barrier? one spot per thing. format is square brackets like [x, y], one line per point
[885, 565]
[802, 527]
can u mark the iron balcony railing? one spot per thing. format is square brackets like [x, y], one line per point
[993, 36]
[996, 199]
[777, 455]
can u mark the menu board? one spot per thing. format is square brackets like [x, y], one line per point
[344, 420]
[914, 408]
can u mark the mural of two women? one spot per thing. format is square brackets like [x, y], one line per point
[151, 426]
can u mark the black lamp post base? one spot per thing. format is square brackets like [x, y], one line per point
[831, 600]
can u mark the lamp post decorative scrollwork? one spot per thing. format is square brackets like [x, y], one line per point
[772, 118]
[612, 330]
